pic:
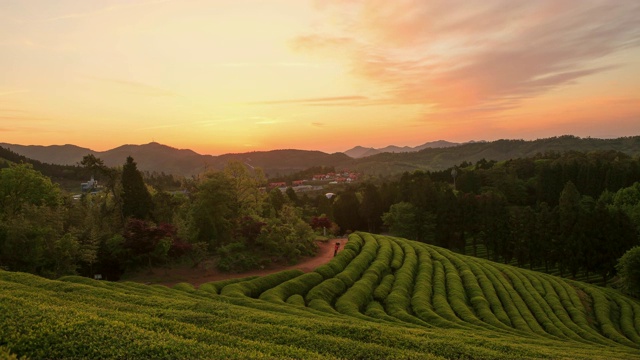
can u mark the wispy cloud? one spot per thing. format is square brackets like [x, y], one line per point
[261, 120]
[452, 55]
[318, 124]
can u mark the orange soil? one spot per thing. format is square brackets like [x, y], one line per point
[198, 276]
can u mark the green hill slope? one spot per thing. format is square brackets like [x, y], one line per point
[380, 298]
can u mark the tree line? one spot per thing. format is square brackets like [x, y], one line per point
[129, 224]
[572, 211]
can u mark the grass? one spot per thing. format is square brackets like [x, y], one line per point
[380, 298]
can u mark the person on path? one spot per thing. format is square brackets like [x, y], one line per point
[335, 251]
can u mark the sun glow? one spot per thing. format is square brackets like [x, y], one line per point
[233, 76]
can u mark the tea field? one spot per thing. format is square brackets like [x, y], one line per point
[380, 298]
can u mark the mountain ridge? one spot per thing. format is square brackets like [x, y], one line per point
[359, 151]
[163, 158]
[432, 156]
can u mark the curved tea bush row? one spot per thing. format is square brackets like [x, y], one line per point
[398, 256]
[520, 315]
[380, 298]
[214, 287]
[355, 299]
[297, 286]
[354, 270]
[423, 293]
[398, 302]
[435, 287]
[462, 280]
[253, 288]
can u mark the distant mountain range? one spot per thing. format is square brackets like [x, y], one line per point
[431, 156]
[162, 158]
[360, 152]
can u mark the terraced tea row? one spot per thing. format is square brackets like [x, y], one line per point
[381, 278]
[380, 298]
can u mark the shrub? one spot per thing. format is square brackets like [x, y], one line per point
[236, 257]
[299, 285]
[628, 268]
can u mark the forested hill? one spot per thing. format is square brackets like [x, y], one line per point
[380, 298]
[433, 159]
[62, 174]
[154, 157]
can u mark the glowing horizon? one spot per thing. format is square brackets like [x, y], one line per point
[239, 75]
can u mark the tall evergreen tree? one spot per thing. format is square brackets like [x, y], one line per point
[345, 211]
[569, 213]
[371, 208]
[136, 200]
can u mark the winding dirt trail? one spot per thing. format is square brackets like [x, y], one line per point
[196, 277]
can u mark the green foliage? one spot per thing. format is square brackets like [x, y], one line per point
[20, 185]
[253, 288]
[32, 225]
[287, 237]
[406, 220]
[235, 257]
[246, 199]
[629, 271]
[299, 285]
[214, 287]
[207, 218]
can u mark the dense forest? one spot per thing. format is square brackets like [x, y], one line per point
[574, 212]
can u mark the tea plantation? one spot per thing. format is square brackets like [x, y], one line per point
[380, 298]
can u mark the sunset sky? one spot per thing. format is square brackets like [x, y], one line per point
[225, 76]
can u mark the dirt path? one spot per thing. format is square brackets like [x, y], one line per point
[170, 277]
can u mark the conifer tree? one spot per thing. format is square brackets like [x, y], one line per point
[136, 200]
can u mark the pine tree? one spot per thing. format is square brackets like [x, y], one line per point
[136, 200]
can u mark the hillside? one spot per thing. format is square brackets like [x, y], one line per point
[434, 159]
[432, 156]
[380, 298]
[161, 158]
[360, 151]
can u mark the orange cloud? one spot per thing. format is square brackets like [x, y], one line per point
[455, 54]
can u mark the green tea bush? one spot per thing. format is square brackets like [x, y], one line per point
[398, 256]
[360, 263]
[299, 285]
[602, 312]
[402, 313]
[554, 302]
[337, 264]
[440, 303]
[576, 311]
[384, 288]
[183, 286]
[626, 320]
[540, 309]
[398, 302]
[253, 288]
[214, 287]
[296, 299]
[491, 295]
[423, 291]
[326, 291]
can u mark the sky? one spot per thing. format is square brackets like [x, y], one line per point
[224, 76]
